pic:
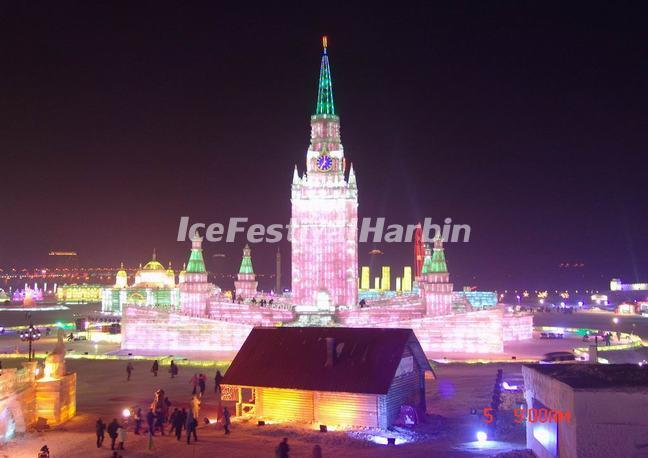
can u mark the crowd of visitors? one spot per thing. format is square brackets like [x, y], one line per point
[162, 418]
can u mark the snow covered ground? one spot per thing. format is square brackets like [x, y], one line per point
[449, 430]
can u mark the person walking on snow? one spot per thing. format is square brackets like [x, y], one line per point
[129, 371]
[138, 420]
[121, 433]
[195, 406]
[226, 420]
[166, 407]
[101, 428]
[172, 420]
[194, 381]
[150, 420]
[159, 421]
[155, 368]
[283, 448]
[191, 425]
[112, 432]
[202, 383]
[173, 369]
[181, 420]
[217, 382]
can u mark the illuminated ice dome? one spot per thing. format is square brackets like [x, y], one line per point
[154, 275]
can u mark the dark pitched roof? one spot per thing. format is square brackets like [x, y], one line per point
[296, 358]
[596, 376]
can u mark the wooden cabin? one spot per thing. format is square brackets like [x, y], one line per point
[330, 376]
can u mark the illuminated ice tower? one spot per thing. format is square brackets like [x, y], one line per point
[246, 284]
[195, 289]
[434, 282]
[325, 212]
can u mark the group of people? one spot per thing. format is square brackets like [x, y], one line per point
[262, 302]
[607, 337]
[179, 419]
[115, 431]
[199, 382]
[283, 449]
[183, 419]
[159, 413]
[157, 416]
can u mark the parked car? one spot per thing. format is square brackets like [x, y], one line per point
[558, 357]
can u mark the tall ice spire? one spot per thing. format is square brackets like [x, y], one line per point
[427, 261]
[325, 153]
[434, 284]
[246, 262]
[325, 91]
[324, 222]
[438, 256]
[246, 284]
[196, 262]
[195, 288]
[352, 177]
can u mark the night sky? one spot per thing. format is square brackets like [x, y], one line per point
[526, 120]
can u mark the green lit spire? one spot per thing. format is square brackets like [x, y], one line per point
[246, 262]
[196, 263]
[427, 261]
[325, 91]
[435, 262]
[438, 257]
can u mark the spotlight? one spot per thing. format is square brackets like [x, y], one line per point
[482, 436]
[323, 429]
[126, 413]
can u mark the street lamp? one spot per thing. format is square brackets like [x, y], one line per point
[30, 335]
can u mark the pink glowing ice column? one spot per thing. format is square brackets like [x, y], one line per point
[324, 224]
